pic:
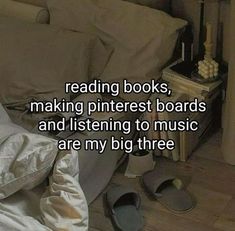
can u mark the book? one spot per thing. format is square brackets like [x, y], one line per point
[172, 135]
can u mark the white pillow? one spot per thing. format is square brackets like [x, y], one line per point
[25, 158]
[143, 38]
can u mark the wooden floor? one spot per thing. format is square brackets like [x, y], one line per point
[209, 179]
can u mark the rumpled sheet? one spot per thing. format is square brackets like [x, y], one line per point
[62, 207]
[59, 205]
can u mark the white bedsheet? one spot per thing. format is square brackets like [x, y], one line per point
[54, 206]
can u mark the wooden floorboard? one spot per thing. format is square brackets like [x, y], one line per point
[208, 178]
[227, 219]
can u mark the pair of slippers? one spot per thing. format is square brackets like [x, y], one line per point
[123, 203]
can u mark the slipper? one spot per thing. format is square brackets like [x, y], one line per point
[168, 190]
[123, 207]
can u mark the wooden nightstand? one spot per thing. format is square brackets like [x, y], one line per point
[208, 92]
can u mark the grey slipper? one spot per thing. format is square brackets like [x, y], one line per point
[168, 190]
[123, 207]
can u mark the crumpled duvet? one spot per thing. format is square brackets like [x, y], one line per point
[56, 205]
[62, 206]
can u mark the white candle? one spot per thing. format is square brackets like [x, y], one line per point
[209, 33]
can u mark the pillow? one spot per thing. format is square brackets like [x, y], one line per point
[25, 158]
[24, 12]
[37, 59]
[143, 38]
[157, 4]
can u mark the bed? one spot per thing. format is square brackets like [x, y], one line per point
[82, 42]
